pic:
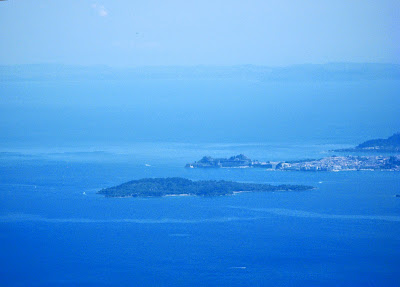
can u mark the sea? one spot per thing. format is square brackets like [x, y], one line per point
[55, 230]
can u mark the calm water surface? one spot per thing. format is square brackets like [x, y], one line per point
[56, 231]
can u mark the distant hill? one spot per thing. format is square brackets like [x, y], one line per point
[391, 144]
[307, 72]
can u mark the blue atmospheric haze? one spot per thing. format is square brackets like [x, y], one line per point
[97, 93]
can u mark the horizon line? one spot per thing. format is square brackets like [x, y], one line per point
[198, 65]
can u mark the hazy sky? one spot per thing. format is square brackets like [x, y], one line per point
[206, 32]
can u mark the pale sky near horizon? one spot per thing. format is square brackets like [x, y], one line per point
[131, 33]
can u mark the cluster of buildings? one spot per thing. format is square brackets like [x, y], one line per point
[338, 163]
[332, 163]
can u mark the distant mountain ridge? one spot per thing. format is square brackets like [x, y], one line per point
[321, 72]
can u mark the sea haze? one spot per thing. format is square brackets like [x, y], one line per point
[338, 103]
[55, 229]
[94, 94]
[67, 132]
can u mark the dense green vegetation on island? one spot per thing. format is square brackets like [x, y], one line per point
[181, 186]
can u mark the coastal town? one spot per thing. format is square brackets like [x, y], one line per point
[331, 163]
[343, 163]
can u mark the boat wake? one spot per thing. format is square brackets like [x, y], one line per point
[307, 214]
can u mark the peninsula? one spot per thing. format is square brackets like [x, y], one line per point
[391, 144]
[330, 163]
[175, 186]
[237, 161]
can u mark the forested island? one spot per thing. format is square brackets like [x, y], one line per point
[176, 186]
[391, 144]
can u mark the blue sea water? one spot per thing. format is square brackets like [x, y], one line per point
[55, 112]
[56, 231]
